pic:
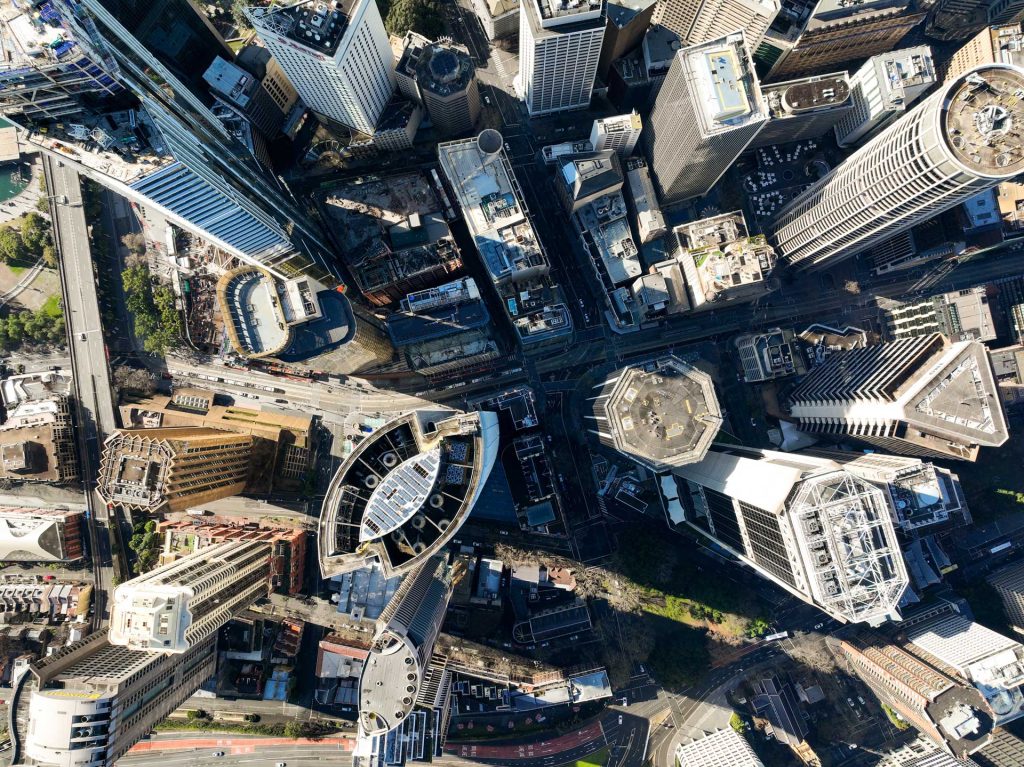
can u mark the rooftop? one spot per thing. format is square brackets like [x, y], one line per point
[720, 260]
[252, 310]
[604, 220]
[441, 69]
[405, 490]
[725, 83]
[898, 70]
[808, 94]
[982, 117]
[316, 24]
[663, 413]
[621, 12]
[231, 81]
[583, 175]
[558, 12]
[492, 205]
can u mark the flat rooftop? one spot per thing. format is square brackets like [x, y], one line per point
[252, 307]
[663, 413]
[557, 12]
[983, 115]
[725, 83]
[721, 257]
[808, 94]
[605, 221]
[493, 208]
[318, 24]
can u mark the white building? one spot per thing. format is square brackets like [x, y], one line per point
[809, 526]
[924, 396]
[700, 21]
[883, 89]
[707, 112]
[182, 603]
[619, 133]
[990, 661]
[559, 47]
[956, 143]
[724, 748]
[336, 54]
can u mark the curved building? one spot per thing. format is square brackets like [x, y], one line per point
[962, 140]
[406, 489]
[403, 642]
[662, 413]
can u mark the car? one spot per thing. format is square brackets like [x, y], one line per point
[49, 577]
[818, 626]
[487, 100]
[218, 753]
[850, 701]
[81, 336]
[753, 422]
[281, 764]
[620, 718]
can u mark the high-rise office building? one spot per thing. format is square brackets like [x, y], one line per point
[707, 112]
[813, 528]
[47, 534]
[405, 490]
[993, 663]
[662, 413]
[940, 705]
[628, 21]
[1009, 584]
[805, 108]
[336, 54]
[993, 45]
[701, 21]
[924, 396]
[834, 33]
[244, 95]
[559, 47]
[403, 642]
[173, 468]
[722, 748]
[619, 133]
[956, 143]
[920, 494]
[883, 89]
[960, 19]
[499, 18]
[162, 147]
[181, 604]
[90, 702]
[443, 79]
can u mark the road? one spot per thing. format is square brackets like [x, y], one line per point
[94, 408]
[191, 748]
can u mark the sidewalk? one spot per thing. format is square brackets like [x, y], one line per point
[237, 745]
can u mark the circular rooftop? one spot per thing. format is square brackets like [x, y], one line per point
[983, 118]
[444, 65]
[662, 413]
[490, 141]
[252, 312]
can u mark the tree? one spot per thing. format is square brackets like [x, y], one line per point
[422, 16]
[134, 380]
[135, 242]
[11, 247]
[737, 723]
[758, 628]
[35, 232]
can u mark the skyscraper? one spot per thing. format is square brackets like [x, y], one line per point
[443, 79]
[993, 663]
[173, 468]
[336, 54]
[701, 21]
[92, 701]
[628, 21]
[883, 89]
[661, 413]
[619, 133]
[405, 490]
[956, 143]
[707, 112]
[960, 19]
[1003, 44]
[815, 529]
[924, 396]
[403, 642]
[559, 47]
[805, 108]
[164, 148]
[944, 707]
[722, 748]
[183, 603]
[836, 32]
[1009, 584]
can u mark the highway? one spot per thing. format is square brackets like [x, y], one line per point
[94, 408]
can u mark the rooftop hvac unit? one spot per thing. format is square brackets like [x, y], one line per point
[371, 481]
[389, 459]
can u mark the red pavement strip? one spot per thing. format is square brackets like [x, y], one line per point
[237, 746]
[592, 733]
